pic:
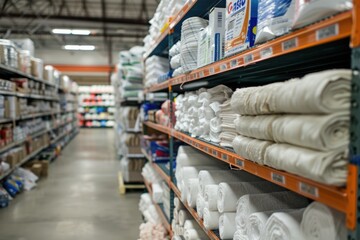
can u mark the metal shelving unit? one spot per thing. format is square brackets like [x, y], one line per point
[333, 42]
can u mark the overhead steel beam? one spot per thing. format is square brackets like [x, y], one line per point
[48, 33]
[83, 19]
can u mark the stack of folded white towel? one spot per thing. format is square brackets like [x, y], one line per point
[155, 66]
[152, 228]
[199, 112]
[150, 175]
[300, 126]
[175, 62]
[228, 130]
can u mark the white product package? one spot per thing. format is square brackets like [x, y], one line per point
[240, 25]
[310, 11]
[216, 33]
[203, 47]
[275, 17]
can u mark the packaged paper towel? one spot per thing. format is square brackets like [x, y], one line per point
[275, 17]
[240, 25]
[310, 11]
[217, 33]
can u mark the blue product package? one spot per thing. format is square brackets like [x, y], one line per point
[275, 18]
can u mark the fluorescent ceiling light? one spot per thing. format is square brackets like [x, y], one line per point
[80, 47]
[61, 31]
[80, 32]
[71, 31]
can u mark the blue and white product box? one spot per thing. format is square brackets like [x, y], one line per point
[217, 33]
[275, 18]
[240, 25]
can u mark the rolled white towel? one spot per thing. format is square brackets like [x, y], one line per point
[210, 196]
[176, 215]
[183, 216]
[284, 226]
[259, 127]
[252, 203]
[240, 236]
[192, 234]
[229, 193]
[157, 192]
[257, 222]
[325, 167]
[322, 92]
[218, 176]
[323, 223]
[227, 225]
[251, 148]
[200, 205]
[211, 219]
[193, 189]
[191, 224]
[178, 204]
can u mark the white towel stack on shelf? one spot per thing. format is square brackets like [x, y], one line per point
[199, 112]
[153, 228]
[228, 131]
[155, 66]
[175, 59]
[190, 29]
[150, 175]
[300, 126]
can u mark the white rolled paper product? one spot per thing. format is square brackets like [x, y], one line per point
[210, 196]
[229, 193]
[326, 167]
[176, 215]
[193, 189]
[173, 223]
[178, 204]
[183, 216]
[200, 205]
[192, 234]
[191, 224]
[227, 225]
[284, 226]
[211, 219]
[240, 236]
[322, 92]
[157, 192]
[252, 203]
[321, 222]
[208, 177]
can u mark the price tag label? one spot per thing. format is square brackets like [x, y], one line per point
[278, 178]
[206, 149]
[233, 63]
[224, 156]
[309, 190]
[240, 163]
[248, 58]
[326, 32]
[289, 44]
[201, 74]
[211, 70]
[267, 52]
[214, 152]
[223, 67]
[196, 145]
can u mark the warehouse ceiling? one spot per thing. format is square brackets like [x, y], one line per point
[118, 23]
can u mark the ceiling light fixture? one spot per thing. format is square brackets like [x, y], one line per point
[79, 47]
[71, 31]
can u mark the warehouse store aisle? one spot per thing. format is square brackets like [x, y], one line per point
[79, 200]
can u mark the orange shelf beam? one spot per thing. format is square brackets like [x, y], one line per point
[192, 211]
[159, 210]
[335, 197]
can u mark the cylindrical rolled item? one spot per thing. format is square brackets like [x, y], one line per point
[176, 216]
[211, 219]
[178, 204]
[191, 224]
[192, 234]
[207, 177]
[227, 225]
[200, 205]
[229, 193]
[321, 222]
[193, 189]
[183, 216]
[240, 236]
[210, 196]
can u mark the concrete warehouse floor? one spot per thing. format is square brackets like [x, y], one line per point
[79, 200]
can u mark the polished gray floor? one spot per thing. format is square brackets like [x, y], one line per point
[79, 200]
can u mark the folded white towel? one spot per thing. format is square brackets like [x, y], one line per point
[227, 226]
[177, 204]
[252, 203]
[210, 196]
[251, 148]
[215, 125]
[200, 205]
[319, 132]
[193, 189]
[240, 236]
[321, 92]
[211, 219]
[325, 167]
[226, 139]
[284, 226]
[208, 177]
[157, 192]
[183, 216]
[323, 223]
[229, 193]
[191, 224]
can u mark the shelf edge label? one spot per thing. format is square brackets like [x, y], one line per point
[278, 178]
[267, 52]
[309, 190]
[240, 163]
[327, 32]
[289, 44]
